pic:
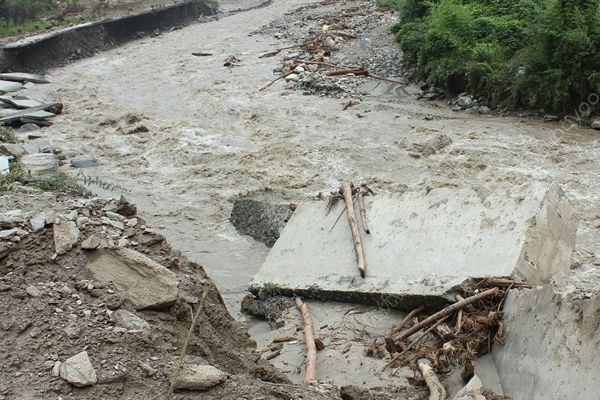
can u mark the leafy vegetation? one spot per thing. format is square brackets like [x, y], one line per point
[24, 16]
[7, 135]
[523, 53]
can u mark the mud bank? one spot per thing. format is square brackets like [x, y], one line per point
[58, 48]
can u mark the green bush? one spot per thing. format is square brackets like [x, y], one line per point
[524, 53]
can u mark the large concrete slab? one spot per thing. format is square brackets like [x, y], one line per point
[552, 346]
[424, 244]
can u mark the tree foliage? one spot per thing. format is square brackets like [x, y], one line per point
[524, 53]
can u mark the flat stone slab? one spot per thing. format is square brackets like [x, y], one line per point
[8, 86]
[423, 244]
[23, 77]
[20, 102]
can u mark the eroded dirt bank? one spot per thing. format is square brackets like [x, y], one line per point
[185, 135]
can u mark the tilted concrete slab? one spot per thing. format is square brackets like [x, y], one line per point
[423, 245]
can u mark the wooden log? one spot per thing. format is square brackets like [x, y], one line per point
[363, 213]
[446, 311]
[310, 374]
[436, 389]
[414, 342]
[344, 71]
[347, 193]
[275, 80]
[408, 317]
[459, 318]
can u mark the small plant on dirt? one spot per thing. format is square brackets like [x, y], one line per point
[268, 290]
[102, 184]
[7, 135]
[62, 183]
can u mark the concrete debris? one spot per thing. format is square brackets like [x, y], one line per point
[129, 321]
[20, 102]
[261, 220]
[473, 390]
[5, 164]
[22, 77]
[40, 165]
[66, 235]
[7, 86]
[143, 281]
[551, 345]
[530, 234]
[78, 370]
[199, 377]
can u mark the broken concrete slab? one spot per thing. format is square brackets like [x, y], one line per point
[423, 244]
[7, 86]
[5, 164]
[29, 114]
[144, 282]
[552, 346]
[20, 103]
[23, 77]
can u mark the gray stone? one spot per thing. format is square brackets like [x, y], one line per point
[12, 149]
[38, 222]
[473, 390]
[550, 118]
[84, 162]
[595, 124]
[28, 128]
[78, 370]
[56, 369]
[33, 291]
[456, 108]
[66, 235]
[143, 281]
[424, 244]
[12, 218]
[129, 320]
[484, 110]
[199, 377]
[7, 233]
[40, 165]
[91, 243]
[111, 222]
[292, 78]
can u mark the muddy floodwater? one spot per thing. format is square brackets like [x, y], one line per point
[184, 135]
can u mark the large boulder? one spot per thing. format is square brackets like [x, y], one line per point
[40, 165]
[143, 281]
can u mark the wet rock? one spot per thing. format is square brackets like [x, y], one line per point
[84, 162]
[143, 281]
[595, 124]
[91, 243]
[66, 235]
[484, 110]
[40, 165]
[550, 118]
[199, 377]
[129, 320]
[126, 207]
[78, 370]
[261, 220]
[4, 251]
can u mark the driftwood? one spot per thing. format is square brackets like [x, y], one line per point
[436, 389]
[408, 317]
[446, 311]
[363, 212]
[413, 343]
[202, 54]
[275, 80]
[345, 71]
[277, 51]
[459, 318]
[349, 104]
[310, 374]
[347, 193]
[505, 283]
